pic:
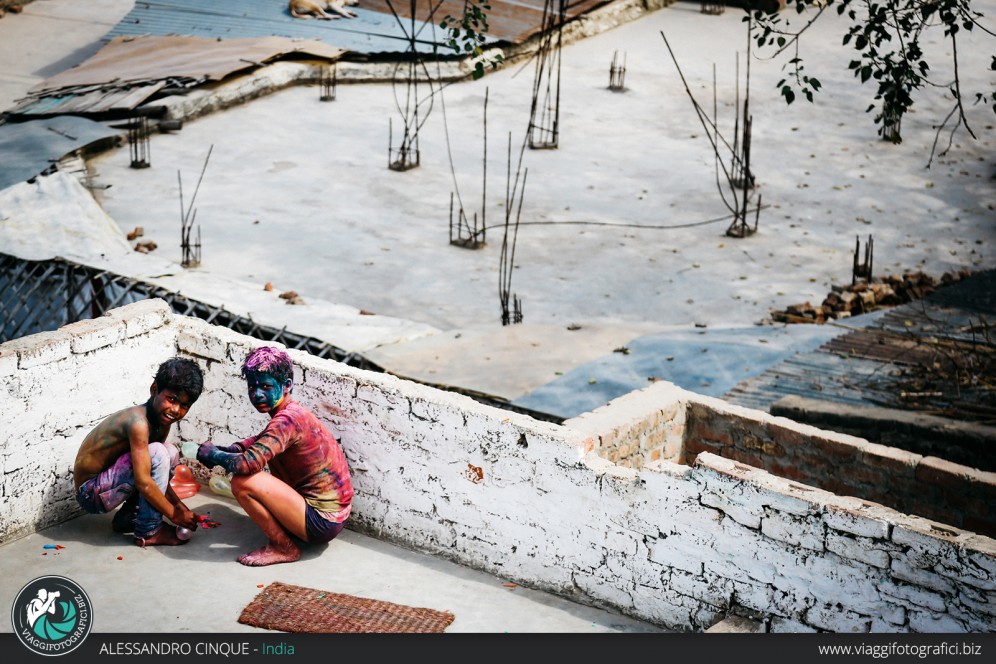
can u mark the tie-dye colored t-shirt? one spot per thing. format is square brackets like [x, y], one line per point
[301, 452]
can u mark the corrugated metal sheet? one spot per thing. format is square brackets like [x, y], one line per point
[375, 30]
[153, 58]
[128, 71]
[30, 148]
[371, 32]
[91, 101]
[510, 21]
[814, 375]
[870, 366]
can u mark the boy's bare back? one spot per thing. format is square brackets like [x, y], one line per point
[112, 438]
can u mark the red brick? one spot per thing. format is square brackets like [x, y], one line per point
[744, 457]
[716, 434]
[843, 487]
[700, 446]
[816, 464]
[790, 471]
[968, 502]
[934, 512]
[882, 479]
[834, 449]
[752, 443]
[897, 462]
[952, 475]
[787, 437]
[978, 525]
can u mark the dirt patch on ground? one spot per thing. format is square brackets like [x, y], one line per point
[12, 6]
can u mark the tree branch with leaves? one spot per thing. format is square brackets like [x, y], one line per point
[468, 34]
[886, 37]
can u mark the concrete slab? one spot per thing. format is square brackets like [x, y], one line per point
[489, 358]
[30, 54]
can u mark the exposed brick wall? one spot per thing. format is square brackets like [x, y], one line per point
[967, 443]
[533, 502]
[638, 428]
[927, 486]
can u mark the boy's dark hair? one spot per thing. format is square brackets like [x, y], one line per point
[271, 361]
[180, 375]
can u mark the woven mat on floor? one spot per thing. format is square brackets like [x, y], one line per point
[281, 606]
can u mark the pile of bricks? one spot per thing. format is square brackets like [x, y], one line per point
[865, 296]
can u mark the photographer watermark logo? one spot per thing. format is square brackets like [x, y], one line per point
[52, 615]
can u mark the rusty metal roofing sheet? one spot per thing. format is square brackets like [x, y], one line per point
[511, 21]
[865, 366]
[128, 71]
[126, 60]
[375, 30]
[30, 148]
[814, 375]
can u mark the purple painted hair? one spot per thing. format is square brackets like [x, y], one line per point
[270, 361]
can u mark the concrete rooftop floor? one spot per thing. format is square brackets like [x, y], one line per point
[203, 589]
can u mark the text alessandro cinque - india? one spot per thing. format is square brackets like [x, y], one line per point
[224, 648]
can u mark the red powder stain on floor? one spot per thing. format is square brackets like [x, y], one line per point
[207, 522]
[120, 557]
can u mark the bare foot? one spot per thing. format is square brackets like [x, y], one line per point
[165, 537]
[268, 555]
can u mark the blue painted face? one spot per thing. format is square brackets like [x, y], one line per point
[265, 393]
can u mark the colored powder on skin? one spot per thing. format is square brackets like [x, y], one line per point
[274, 397]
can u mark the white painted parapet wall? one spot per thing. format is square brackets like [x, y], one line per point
[529, 501]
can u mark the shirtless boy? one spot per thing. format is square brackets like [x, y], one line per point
[308, 491]
[126, 460]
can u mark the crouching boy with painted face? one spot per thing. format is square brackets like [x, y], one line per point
[308, 491]
[126, 460]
